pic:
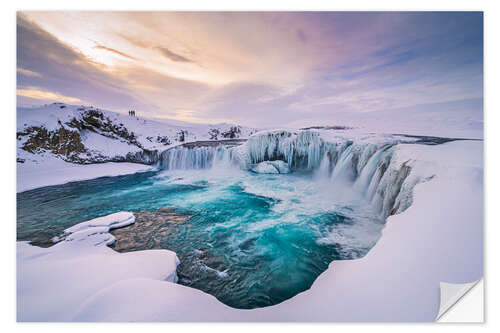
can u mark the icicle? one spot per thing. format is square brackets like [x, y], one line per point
[369, 168]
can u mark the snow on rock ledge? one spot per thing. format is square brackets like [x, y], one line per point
[112, 221]
[96, 231]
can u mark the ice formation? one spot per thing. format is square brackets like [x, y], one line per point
[275, 167]
[371, 166]
[96, 231]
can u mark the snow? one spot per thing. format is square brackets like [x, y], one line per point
[147, 130]
[106, 146]
[438, 238]
[46, 170]
[459, 119]
[265, 167]
[53, 283]
[116, 220]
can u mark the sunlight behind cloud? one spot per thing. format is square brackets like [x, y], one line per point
[191, 116]
[253, 67]
[27, 72]
[36, 93]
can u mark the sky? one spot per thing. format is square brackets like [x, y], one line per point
[252, 68]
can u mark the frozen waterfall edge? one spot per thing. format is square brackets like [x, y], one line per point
[375, 169]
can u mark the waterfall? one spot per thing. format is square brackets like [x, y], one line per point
[186, 158]
[368, 168]
[303, 150]
[343, 170]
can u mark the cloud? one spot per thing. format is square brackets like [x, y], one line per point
[64, 71]
[40, 94]
[161, 49]
[27, 72]
[171, 55]
[102, 47]
[260, 69]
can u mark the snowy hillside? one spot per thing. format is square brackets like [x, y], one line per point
[462, 119]
[85, 135]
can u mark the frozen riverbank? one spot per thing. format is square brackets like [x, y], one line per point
[53, 171]
[439, 238]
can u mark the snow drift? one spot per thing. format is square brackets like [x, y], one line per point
[53, 282]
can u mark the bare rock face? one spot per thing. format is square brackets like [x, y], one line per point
[64, 142]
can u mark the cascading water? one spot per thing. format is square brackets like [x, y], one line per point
[183, 158]
[366, 167]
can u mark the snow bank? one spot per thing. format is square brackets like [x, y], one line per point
[112, 221]
[53, 283]
[46, 170]
[96, 231]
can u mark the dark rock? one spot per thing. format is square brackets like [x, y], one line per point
[63, 142]
[233, 132]
[181, 135]
[149, 231]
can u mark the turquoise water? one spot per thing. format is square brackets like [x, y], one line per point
[254, 240]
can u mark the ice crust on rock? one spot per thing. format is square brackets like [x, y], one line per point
[96, 231]
[112, 221]
[271, 167]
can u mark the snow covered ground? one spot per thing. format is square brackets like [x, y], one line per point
[461, 119]
[439, 238]
[49, 170]
[82, 264]
[56, 115]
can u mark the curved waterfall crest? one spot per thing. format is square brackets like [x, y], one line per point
[371, 168]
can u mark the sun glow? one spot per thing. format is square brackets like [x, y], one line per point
[104, 45]
[35, 93]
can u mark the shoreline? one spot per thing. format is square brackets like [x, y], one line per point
[31, 175]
